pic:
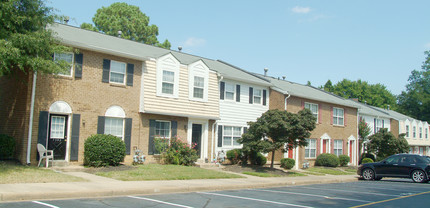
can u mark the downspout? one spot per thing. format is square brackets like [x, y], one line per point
[285, 102]
[30, 122]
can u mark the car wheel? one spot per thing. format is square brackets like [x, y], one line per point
[418, 176]
[368, 174]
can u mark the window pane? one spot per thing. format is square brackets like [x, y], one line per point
[114, 126]
[168, 76]
[68, 57]
[235, 143]
[229, 96]
[114, 77]
[117, 67]
[162, 129]
[199, 81]
[57, 127]
[237, 131]
[227, 141]
[167, 88]
[228, 130]
[198, 92]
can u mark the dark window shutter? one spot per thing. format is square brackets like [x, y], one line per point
[319, 113]
[383, 124]
[237, 93]
[101, 125]
[245, 129]
[222, 90]
[174, 128]
[106, 70]
[374, 125]
[251, 95]
[219, 136]
[43, 127]
[264, 97]
[130, 72]
[74, 142]
[127, 135]
[331, 115]
[151, 148]
[79, 59]
[344, 117]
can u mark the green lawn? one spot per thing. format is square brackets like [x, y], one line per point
[166, 172]
[330, 171]
[260, 174]
[15, 173]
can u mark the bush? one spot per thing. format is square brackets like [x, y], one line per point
[7, 147]
[327, 160]
[234, 155]
[256, 158]
[366, 160]
[177, 152]
[103, 150]
[287, 163]
[344, 160]
[367, 155]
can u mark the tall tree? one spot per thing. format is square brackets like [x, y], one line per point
[328, 86]
[128, 19]
[373, 94]
[25, 44]
[275, 128]
[384, 144]
[415, 101]
[363, 132]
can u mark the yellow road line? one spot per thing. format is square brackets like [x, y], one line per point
[387, 200]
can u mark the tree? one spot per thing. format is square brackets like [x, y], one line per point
[373, 94]
[128, 19]
[363, 132]
[275, 128]
[328, 86]
[384, 144]
[25, 44]
[415, 101]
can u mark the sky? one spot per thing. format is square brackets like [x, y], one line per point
[309, 40]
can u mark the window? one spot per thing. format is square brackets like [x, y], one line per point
[421, 132]
[68, 57]
[230, 135]
[199, 86]
[168, 82]
[229, 91]
[114, 126]
[338, 144]
[117, 72]
[338, 116]
[414, 132]
[407, 131]
[311, 149]
[313, 108]
[162, 129]
[257, 96]
[378, 125]
[57, 127]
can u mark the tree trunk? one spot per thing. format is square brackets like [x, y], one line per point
[273, 159]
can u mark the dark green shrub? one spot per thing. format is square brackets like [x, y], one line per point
[177, 152]
[327, 160]
[258, 159]
[367, 155]
[287, 163]
[366, 160]
[103, 150]
[344, 160]
[7, 147]
[234, 155]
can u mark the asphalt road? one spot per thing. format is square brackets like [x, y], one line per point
[384, 193]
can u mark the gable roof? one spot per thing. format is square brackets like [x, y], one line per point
[371, 110]
[99, 42]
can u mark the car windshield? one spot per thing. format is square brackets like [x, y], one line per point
[427, 158]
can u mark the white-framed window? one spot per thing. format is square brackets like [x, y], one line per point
[57, 127]
[68, 57]
[407, 131]
[168, 68]
[421, 132]
[117, 72]
[338, 147]
[311, 149]
[414, 132]
[162, 129]
[230, 135]
[114, 126]
[199, 87]
[338, 116]
[168, 84]
[229, 91]
[313, 108]
[378, 125]
[257, 96]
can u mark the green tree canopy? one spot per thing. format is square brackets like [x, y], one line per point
[415, 101]
[25, 44]
[384, 144]
[275, 128]
[373, 94]
[128, 19]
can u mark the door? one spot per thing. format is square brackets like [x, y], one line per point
[351, 149]
[325, 146]
[57, 139]
[196, 137]
[389, 166]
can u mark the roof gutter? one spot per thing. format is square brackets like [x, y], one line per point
[30, 122]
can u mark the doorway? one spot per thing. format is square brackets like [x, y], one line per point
[57, 138]
[196, 137]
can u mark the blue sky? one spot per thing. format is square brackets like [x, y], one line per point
[375, 41]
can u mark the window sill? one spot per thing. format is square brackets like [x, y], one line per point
[63, 76]
[117, 85]
[339, 126]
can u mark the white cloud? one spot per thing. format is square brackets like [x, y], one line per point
[194, 42]
[301, 10]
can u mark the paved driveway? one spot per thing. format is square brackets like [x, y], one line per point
[385, 193]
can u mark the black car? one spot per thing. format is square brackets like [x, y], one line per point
[411, 166]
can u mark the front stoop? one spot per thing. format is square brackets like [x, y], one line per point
[207, 165]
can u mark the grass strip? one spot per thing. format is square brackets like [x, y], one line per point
[329, 171]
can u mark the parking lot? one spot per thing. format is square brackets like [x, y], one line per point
[384, 193]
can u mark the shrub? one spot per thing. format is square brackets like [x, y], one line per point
[327, 160]
[256, 158]
[103, 150]
[7, 147]
[366, 160]
[234, 155]
[287, 163]
[177, 152]
[344, 160]
[367, 155]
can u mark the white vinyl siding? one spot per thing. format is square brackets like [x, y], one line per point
[313, 108]
[68, 57]
[338, 146]
[117, 72]
[114, 126]
[311, 149]
[338, 116]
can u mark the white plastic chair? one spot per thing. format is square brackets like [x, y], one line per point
[44, 153]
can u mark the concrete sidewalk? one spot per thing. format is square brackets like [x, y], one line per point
[98, 186]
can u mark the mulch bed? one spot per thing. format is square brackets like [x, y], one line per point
[254, 168]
